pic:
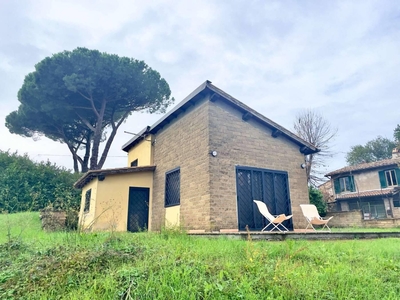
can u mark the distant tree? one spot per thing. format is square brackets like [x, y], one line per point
[81, 98]
[374, 150]
[317, 198]
[396, 134]
[313, 128]
[26, 185]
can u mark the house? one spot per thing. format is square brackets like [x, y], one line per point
[200, 167]
[372, 188]
[326, 190]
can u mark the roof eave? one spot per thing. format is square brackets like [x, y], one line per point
[92, 174]
[305, 147]
[175, 110]
[338, 172]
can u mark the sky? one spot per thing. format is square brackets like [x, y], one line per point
[339, 58]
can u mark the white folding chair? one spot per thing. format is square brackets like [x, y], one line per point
[275, 221]
[312, 216]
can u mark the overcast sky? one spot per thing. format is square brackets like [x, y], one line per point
[341, 58]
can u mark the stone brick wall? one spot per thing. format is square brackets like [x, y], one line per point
[351, 218]
[184, 143]
[396, 212]
[354, 218]
[382, 223]
[248, 143]
[53, 220]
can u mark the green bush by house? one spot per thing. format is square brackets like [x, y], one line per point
[26, 185]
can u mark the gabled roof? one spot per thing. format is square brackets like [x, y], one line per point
[366, 166]
[216, 94]
[90, 175]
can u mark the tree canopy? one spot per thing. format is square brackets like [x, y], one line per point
[81, 98]
[312, 127]
[374, 150]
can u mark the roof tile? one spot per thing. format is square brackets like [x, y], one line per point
[366, 166]
[365, 194]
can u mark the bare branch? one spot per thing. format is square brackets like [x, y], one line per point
[313, 128]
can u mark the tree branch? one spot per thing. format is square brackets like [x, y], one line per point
[111, 138]
[86, 122]
[91, 103]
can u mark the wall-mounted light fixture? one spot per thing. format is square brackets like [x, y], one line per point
[214, 153]
[303, 165]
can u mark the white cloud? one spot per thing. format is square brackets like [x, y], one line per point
[278, 57]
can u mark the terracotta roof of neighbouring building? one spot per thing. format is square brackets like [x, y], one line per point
[104, 172]
[366, 166]
[215, 93]
[365, 194]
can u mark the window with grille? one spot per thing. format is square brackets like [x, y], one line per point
[88, 196]
[173, 187]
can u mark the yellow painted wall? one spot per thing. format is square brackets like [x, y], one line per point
[110, 202]
[86, 219]
[143, 152]
[172, 216]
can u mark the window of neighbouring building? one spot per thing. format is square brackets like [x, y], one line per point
[374, 210]
[354, 205]
[88, 196]
[344, 184]
[396, 203]
[173, 187]
[134, 163]
[389, 178]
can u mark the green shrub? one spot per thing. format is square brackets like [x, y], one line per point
[26, 185]
[317, 199]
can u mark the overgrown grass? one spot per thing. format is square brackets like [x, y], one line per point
[172, 265]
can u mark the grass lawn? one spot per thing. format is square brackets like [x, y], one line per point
[172, 265]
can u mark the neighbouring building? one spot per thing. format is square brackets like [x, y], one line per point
[372, 188]
[327, 193]
[200, 167]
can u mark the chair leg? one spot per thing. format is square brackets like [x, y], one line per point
[309, 224]
[284, 227]
[327, 227]
[275, 227]
[266, 226]
[322, 229]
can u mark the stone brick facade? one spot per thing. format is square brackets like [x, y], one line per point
[248, 143]
[208, 184]
[183, 143]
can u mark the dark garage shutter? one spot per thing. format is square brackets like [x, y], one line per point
[269, 186]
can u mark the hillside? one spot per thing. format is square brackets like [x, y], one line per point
[173, 265]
